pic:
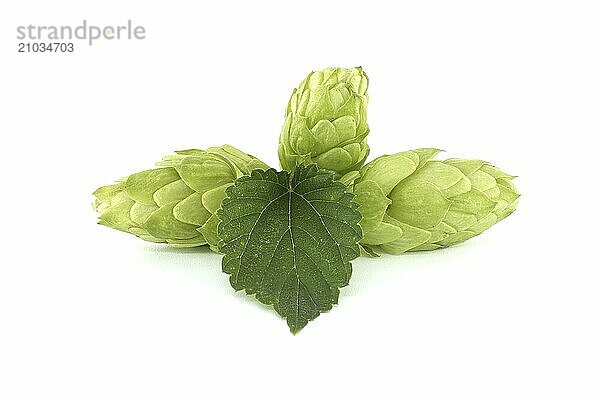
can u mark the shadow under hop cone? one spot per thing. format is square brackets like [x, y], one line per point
[175, 203]
[410, 202]
[326, 121]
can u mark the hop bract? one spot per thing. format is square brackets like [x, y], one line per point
[177, 202]
[410, 202]
[326, 121]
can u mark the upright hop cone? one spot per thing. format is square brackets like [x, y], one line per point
[410, 202]
[176, 203]
[326, 121]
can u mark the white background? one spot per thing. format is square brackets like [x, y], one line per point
[91, 313]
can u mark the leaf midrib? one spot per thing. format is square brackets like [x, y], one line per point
[290, 192]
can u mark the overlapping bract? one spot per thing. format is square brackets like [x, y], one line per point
[410, 202]
[175, 203]
[326, 121]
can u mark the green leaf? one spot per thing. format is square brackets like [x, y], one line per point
[288, 238]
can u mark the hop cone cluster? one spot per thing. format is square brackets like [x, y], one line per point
[410, 202]
[175, 203]
[326, 121]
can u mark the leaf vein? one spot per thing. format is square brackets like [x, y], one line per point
[237, 274]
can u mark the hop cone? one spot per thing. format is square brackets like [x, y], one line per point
[176, 203]
[410, 202]
[326, 121]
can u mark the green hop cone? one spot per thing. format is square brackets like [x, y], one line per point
[410, 202]
[177, 202]
[326, 122]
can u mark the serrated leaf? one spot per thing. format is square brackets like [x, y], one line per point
[288, 239]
